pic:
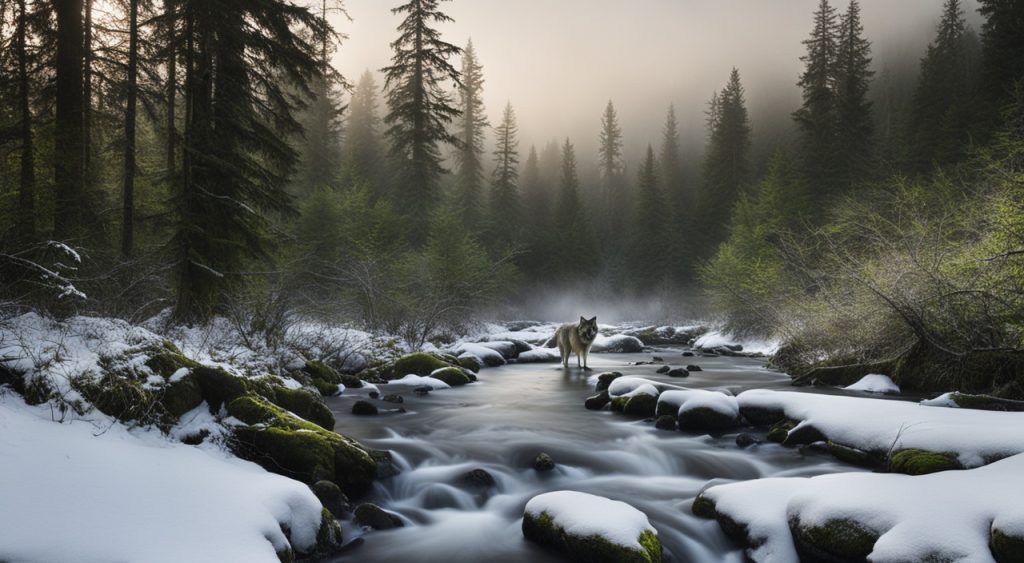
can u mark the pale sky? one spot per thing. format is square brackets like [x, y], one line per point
[560, 61]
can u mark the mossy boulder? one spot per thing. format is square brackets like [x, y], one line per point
[665, 422]
[1006, 547]
[470, 363]
[758, 416]
[181, 396]
[780, 430]
[329, 494]
[167, 361]
[703, 507]
[618, 404]
[478, 479]
[704, 418]
[329, 536]
[218, 386]
[543, 530]
[285, 444]
[452, 376]
[364, 408]
[641, 404]
[803, 434]
[119, 397]
[913, 461]
[305, 404]
[836, 540]
[605, 379]
[325, 379]
[373, 516]
[597, 402]
[854, 456]
[419, 363]
[543, 462]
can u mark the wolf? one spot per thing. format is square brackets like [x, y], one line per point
[576, 337]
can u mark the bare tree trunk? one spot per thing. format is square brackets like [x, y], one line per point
[68, 134]
[87, 94]
[128, 188]
[26, 189]
[172, 90]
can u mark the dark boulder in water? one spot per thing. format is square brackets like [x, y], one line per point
[543, 462]
[597, 402]
[678, 372]
[373, 516]
[478, 478]
[664, 369]
[364, 408]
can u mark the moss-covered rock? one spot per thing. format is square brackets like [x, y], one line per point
[373, 516]
[320, 370]
[780, 430]
[704, 418]
[470, 363]
[591, 549]
[758, 416]
[703, 507]
[452, 376]
[364, 408]
[329, 494]
[913, 461]
[618, 404]
[986, 402]
[853, 455]
[836, 540]
[329, 537]
[419, 363]
[543, 462]
[118, 397]
[181, 396]
[218, 386]
[641, 405]
[478, 479]
[803, 434]
[665, 422]
[605, 379]
[1006, 547]
[304, 404]
[597, 402]
[665, 408]
[166, 362]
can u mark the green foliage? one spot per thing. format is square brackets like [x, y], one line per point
[504, 225]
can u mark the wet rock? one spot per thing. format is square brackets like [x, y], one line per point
[364, 408]
[478, 478]
[641, 404]
[597, 402]
[803, 434]
[373, 516]
[664, 369]
[1007, 547]
[658, 359]
[605, 379]
[665, 422]
[920, 462]
[703, 507]
[758, 416]
[835, 540]
[543, 462]
[422, 390]
[393, 398]
[692, 367]
[703, 418]
[452, 376]
[780, 430]
[853, 455]
[745, 440]
[678, 372]
[470, 363]
[419, 363]
[305, 404]
[331, 497]
[688, 354]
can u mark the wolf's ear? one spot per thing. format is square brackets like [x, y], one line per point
[582, 320]
[594, 320]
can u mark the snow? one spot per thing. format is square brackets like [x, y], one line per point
[627, 384]
[715, 339]
[582, 514]
[948, 514]
[540, 355]
[616, 343]
[880, 425]
[414, 380]
[874, 383]
[78, 492]
[691, 399]
[483, 354]
[943, 400]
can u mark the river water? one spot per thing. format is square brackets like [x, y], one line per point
[515, 412]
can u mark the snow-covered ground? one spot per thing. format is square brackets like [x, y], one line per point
[80, 491]
[719, 339]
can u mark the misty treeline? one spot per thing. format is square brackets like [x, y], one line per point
[204, 158]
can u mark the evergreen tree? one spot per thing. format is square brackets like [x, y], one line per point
[573, 248]
[25, 222]
[726, 164]
[419, 110]
[362, 149]
[782, 196]
[128, 181]
[505, 218]
[1003, 52]
[650, 244]
[472, 124]
[69, 144]
[816, 117]
[535, 214]
[678, 198]
[610, 161]
[854, 149]
[236, 165]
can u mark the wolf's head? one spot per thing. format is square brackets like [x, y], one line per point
[587, 329]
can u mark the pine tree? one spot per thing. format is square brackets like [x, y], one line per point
[610, 161]
[854, 148]
[505, 218]
[726, 164]
[678, 198]
[362, 149]
[782, 196]
[535, 207]
[128, 180]
[650, 244]
[26, 224]
[573, 253]
[419, 110]
[69, 144]
[472, 124]
[1003, 53]
[816, 117]
[321, 123]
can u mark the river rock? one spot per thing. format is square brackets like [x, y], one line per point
[664, 369]
[597, 402]
[478, 478]
[688, 354]
[745, 440]
[605, 379]
[835, 540]
[422, 390]
[543, 462]
[373, 516]
[658, 359]
[692, 367]
[803, 434]
[704, 418]
[665, 422]
[641, 404]
[364, 408]
[393, 398]
[913, 461]
[330, 496]
[453, 376]
[678, 372]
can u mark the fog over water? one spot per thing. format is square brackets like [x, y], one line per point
[559, 62]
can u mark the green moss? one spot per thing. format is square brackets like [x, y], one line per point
[703, 507]
[780, 430]
[470, 363]
[319, 370]
[119, 397]
[419, 363]
[666, 409]
[542, 529]
[181, 396]
[451, 376]
[286, 555]
[618, 404]
[665, 422]
[838, 539]
[329, 535]
[920, 462]
[986, 402]
[703, 418]
[166, 362]
[605, 379]
[305, 404]
[218, 386]
[1006, 548]
[641, 404]
[324, 388]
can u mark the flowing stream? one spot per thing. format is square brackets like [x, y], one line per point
[515, 412]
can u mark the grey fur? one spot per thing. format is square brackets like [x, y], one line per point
[578, 338]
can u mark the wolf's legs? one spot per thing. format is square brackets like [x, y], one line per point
[578, 360]
[586, 354]
[565, 356]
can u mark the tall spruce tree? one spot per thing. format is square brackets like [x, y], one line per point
[239, 55]
[678, 198]
[1003, 53]
[650, 244]
[469, 172]
[361, 152]
[610, 161]
[726, 162]
[536, 211]
[419, 109]
[573, 252]
[505, 222]
[855, 128]
[816, 118]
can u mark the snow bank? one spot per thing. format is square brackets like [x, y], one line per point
[883, 425]
[874, 383]
[76, 492]
[584, 515]
[691, 399]
[540, 355]
[944, 516]
[414, 380]
[718, 339]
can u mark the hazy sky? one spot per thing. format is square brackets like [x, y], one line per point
[560, 61]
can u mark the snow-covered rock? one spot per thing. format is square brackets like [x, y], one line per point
[413, 380]
[626, 384]
[590, 528]
[722, 342]
[537, 355]
[874, 383]
[700, 409]
[485, 355]
[617, 343]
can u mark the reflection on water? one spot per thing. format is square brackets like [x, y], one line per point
[517, 411]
